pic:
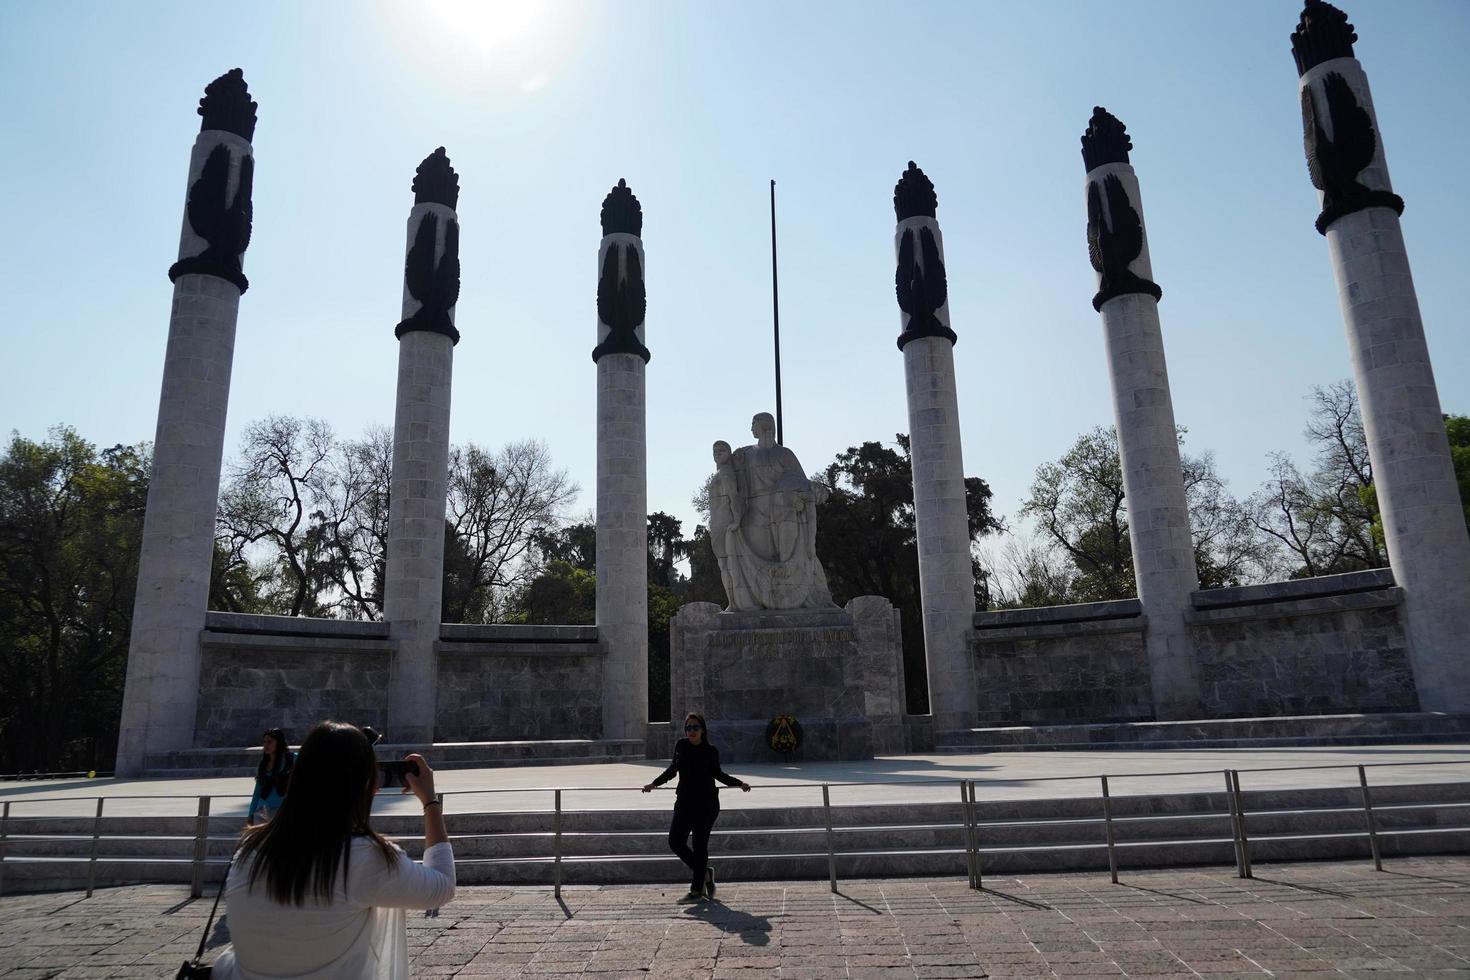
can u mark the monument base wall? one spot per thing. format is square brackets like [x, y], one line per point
[262, 672]
[838, 672]
[1335, 644]
[518, 683]
[513, 683]
[1061, 665]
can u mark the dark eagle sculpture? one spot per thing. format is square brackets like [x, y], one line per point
[434, 285]
[1115, 244]
[622, 304]
[921, 287]
[224, 223]
[1335, 163]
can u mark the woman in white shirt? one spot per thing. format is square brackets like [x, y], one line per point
[315, 893]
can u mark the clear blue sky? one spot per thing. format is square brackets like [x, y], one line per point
[544, 106]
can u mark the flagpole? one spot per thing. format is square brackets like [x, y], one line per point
[776, 318]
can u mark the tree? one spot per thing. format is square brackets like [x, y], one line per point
[1078, 502]
[350, 500]
[1323, 522]
[665, 535]
[1457, 428]
[304, 522]
[71, 523]
[1080, 507]
[1028, 570]
[268, 503]
[498, 505]
[867, 544]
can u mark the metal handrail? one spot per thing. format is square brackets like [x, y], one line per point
[970, 823]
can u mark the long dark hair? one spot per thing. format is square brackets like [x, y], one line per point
[702, 724]
[283, 754]
[331, 797]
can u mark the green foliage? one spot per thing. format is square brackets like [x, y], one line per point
[1080, 508]
[563, 594]
[1457, 428]
[1325, 521]
[867, 544]
[71, 522]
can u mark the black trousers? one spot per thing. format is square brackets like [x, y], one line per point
[693, 819]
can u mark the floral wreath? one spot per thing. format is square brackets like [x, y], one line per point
[783, 734]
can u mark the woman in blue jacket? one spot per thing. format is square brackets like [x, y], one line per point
[272, 776]
[696, 802]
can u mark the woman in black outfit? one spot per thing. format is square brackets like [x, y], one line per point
[696, 803]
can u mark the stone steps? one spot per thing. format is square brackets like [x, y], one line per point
[444, 755]
[1422, 727]
[782, 843]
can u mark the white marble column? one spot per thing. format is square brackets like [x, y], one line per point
[414, 585]
[1413, 471]
[946, 575]
[161, 693]
[1153, 480]
[622, 468]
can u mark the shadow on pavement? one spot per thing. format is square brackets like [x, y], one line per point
[754, 930]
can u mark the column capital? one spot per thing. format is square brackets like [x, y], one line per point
[622, 301]
[920, 282]
[435, 182]
[1116, 242]
[431, 267]
[621, 212]
[218, 213]
[1105, 140]
[227, 106]
[1322, 33]
[913, 195]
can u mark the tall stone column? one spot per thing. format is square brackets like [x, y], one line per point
[1153, 481]
[1413, 471]
[161, 695]
[622, 468]
[946, 575]
[413, 591]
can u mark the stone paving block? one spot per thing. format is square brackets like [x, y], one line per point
[1303, 920]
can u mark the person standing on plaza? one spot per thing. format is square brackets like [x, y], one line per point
[696, 802]
[315, 892]
[272, 776]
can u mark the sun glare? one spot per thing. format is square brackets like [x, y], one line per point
[493, 26]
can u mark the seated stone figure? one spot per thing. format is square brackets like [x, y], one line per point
[763, 525]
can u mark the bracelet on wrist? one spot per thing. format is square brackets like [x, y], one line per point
[438, 803]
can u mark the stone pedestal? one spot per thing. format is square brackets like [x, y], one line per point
[839, 672]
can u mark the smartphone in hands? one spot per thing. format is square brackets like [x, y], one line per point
[393, 770]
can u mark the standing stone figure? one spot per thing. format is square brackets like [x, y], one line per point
[763, 514]
[726, 508]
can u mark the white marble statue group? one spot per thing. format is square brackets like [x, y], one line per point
[763, 525]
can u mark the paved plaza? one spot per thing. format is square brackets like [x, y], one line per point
[1291, 920]
[894, 779]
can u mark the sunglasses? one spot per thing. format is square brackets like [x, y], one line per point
[693, 728]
